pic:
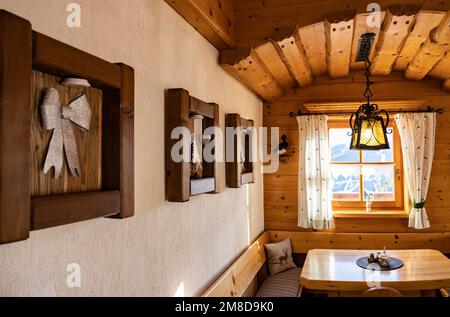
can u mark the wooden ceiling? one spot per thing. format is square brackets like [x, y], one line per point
[280, 44]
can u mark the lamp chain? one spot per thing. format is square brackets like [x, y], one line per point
[367, 93]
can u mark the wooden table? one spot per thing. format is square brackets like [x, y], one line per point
[336, 270]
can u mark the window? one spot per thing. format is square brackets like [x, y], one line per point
[357, 175]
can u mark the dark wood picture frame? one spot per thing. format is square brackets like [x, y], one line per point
[235, 177]
[23, 50]
[179, 108]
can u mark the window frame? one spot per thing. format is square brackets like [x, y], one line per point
[379, 206]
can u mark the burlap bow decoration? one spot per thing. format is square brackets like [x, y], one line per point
[58, 118]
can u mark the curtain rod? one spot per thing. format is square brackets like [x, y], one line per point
[300, 113]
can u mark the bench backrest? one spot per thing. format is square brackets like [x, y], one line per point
[236, 279]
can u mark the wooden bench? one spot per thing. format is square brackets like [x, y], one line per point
[238, 277]
[236, 280]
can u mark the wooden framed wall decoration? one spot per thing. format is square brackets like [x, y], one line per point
[195, 176]
[241, 170]
[30, 64]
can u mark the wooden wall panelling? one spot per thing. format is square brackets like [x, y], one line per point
[314, 43]
[295, 57]
[431, 51]
[15, 120]
[339, 37]
[396, 27]
[268, 54]
[446, 85]
[394, 92]
[347, 91]
[425, 21]
[235, 280]
[363, 24]
[214, 19]
[304, 241]
[388, 105]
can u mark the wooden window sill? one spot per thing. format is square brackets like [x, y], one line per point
[372, 214]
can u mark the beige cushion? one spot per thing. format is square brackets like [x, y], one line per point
[279, 256]
[285, 284]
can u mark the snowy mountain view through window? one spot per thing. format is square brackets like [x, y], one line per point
[358, 175]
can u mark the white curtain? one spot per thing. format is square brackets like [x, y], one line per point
[314, 183]
[417, 133]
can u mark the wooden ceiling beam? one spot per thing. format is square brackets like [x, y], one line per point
[425, 21]
[259, 21]
[339, 38]
[396, 27]
[292, 51]
[441, 34]
[314, 43]
[426, 58]
[408, 38]
[365, 24]
[214, 19]
[431, 51]
[442, 69]
[252, 72]
[268, 54]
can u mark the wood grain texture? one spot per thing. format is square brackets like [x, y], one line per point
[256, 21]
[442, 69]
[313, 40]
[294, 55]
[396, 27]
[177, 174]
[214, 19]
[423, 270]
[339, 38]
[432, 50]
[235, 177]
[233, 170]
[235, 280]
[409, 37]
[302, 242]
[88, 142]
[126, 141]
[268, 53]
[254, 73]
[60, 59]
[362, 27]
[424, 23]
[57, 210]
[178, 109]
[15, 118]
